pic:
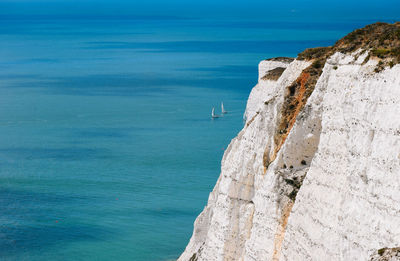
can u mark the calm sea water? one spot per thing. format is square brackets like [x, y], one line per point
[107, 149]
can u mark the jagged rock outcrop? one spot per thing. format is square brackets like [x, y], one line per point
[315, 172]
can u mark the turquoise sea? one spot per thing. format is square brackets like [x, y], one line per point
[107, 149]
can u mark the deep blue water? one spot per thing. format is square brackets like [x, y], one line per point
[107, 149]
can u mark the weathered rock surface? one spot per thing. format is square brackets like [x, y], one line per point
[323, 186]
[387, 254]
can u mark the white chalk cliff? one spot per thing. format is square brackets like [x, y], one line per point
[310, 178]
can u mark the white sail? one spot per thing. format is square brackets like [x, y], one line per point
[223, 111]
[213, 115]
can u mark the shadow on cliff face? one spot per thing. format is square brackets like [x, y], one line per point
[300, 126]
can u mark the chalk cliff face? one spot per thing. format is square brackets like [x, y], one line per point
[315, 172]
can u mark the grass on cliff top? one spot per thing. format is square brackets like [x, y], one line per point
[378, 36]
[382, 40]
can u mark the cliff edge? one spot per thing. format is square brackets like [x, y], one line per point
[315, 172]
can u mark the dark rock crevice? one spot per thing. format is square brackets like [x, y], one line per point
[386, 254]
[273, 74]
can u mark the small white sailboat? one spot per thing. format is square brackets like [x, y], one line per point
[213, 115]
[223, 111]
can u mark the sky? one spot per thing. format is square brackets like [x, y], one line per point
[233, 9]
